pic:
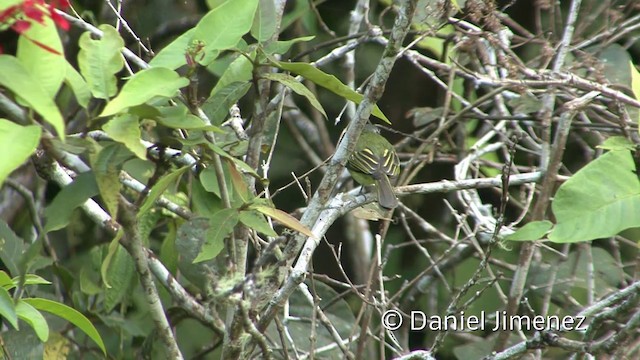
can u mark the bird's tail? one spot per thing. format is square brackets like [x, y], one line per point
[386, 198]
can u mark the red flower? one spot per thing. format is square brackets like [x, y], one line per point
[34, 10]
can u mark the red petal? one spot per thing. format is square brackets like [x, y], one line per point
[8, 13]
[21, 26]
[60, 4]
[59, 20]
[34, 13]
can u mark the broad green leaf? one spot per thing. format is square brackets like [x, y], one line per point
[256, 221]
[69, 314]
[144, 86]
[619, 70]
[221, 225]
[99, 60]
[223, 27]
[58, 213]
[8, 308]
[172, 56]
[161, 186]
[187, 121]
[264, 23]
[209, 181]
[77, 84]
[113, 248]
[178, 117]
[217, 106]
[5, 280]
[168, 253]
[17, 79]
[240, 70]
[297, 87]
[617, 143]
[300, 9]
[241, 165]
[285, 219]
[31, 316]
[126, 130]
[635, 84]
[11, 248]
[328, 82]
[282, 46]
[17, 144]
[598, 201]
[44, 65]
[5, 4]
[532, 231]
[119, 277]
[212, 4]
[204, 203]
[32, 279]
[106, 167]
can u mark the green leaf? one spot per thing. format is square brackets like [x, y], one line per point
[618, 69]
[284, 218]
[598, 201]
[328, 82]
[240, 70]
[17, 144]
[187, 121]
[217, 106]
[42, 64]
[5, 280]
[77, 84]
[209, 181]
[33, 317]
[144, 86]
[58, 213]
[126, 130]
[282, 46]
[168, 253]
[264, 23]
[119, 277]
[71, 315]
[8, 308]
[290, 82]
[223, 27]
[532, 231]
[172, 56]
[221, 225]
[617, 143]
[106, 167]
[177, 117]
[161, 186]
[113, 248]
[257, 222]
[32, 279]
[635, 84]
[11, 248]
[17, 79]
[99, 60]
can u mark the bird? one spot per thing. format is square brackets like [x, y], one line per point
[373, 162]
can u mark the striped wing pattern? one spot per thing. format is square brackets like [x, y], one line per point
[366, 161]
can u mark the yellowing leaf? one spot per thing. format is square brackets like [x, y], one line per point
[284, 218]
